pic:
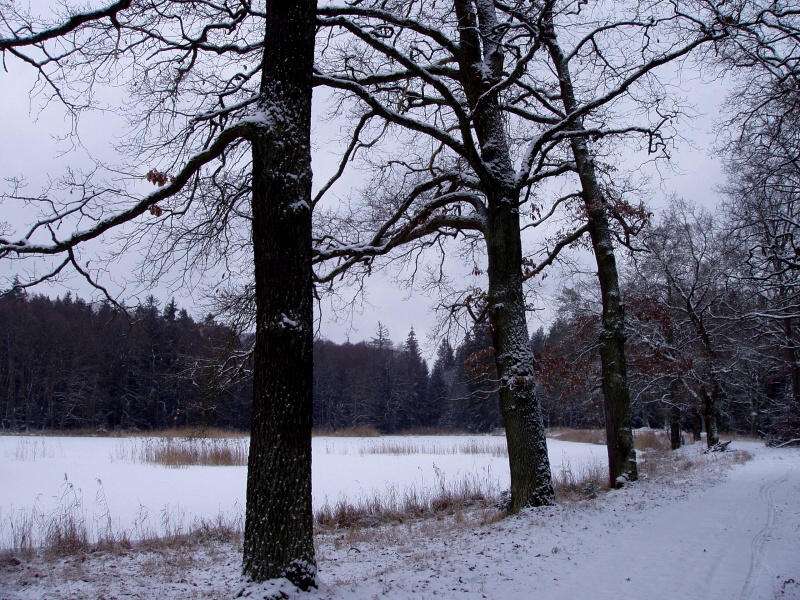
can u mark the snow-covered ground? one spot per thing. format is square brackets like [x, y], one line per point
[711, 528]
[51, 474]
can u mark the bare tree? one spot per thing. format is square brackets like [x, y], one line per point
[761, 144]
[484, 99]
[220, 112]
[686, 270]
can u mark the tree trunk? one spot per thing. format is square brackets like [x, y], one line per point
[794, 361]
[481, 61]
[709, 410]
[675, 425]
[278, 539]
[697, 418]
[531, 480]
[616, 395]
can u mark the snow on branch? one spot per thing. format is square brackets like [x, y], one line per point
[70, 25]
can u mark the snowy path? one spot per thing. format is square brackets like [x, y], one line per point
[738, 539]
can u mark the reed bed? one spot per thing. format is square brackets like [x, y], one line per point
[184, 452]
[395, 505]
[396, 446]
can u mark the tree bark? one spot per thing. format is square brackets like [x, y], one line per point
[278, 539]
[709, 417]
[792, 359]
[616, 395]
[675, 426]
[697, 419]
[481, 63]
[531, 479]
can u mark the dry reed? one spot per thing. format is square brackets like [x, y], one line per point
[398, 506]
[582, 436]
[183, 452]
[356, 431]
[409, 446]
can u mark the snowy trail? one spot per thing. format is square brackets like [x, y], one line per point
[736, 539]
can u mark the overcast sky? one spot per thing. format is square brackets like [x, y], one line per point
[31, 149]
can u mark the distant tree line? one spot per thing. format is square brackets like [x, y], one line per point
[389, 387]
[710, 325]
[702, 352]
[67, 364]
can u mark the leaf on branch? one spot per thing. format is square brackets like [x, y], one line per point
[158, 178]
[155, 210]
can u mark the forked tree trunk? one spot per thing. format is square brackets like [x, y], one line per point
[278, 538]
[616, 395]
[481, 63]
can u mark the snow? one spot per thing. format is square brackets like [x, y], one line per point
[49, 472]
[711, 529]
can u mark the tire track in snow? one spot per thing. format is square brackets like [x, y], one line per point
[759, 543]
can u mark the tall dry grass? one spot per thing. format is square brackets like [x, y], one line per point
[409, 446]
[582, 436]
[646, 440]
[401, 505]
[66, 530]
[184, 452]
[356, 431]
[586, 481]
[30, 449]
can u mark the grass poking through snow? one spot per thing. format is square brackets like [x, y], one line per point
[184, 452]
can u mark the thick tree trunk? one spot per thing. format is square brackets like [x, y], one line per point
[674, 426]
[531, 480]
[616, 395]
[709, 398]
[709, 416]
[793, 359]
[697, 419]
[482, 62]
[278, 540]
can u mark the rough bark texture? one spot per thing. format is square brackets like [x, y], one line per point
[531, 480]
[675, 427]
[698, 425]
[709, 406]
[278, 539]
[709, 397]
[482, 61]
[793, 358]
[616, 395]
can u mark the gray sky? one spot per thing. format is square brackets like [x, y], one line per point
[31, 149]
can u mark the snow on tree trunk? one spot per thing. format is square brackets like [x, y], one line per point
[278, 539]
[531, 480]
[531, 483]
[616, 395]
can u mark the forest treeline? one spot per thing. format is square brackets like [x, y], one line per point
[67, 364]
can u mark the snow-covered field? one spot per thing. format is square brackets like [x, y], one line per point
[711, 528]
[52, 475]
